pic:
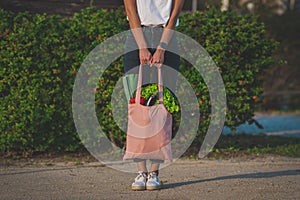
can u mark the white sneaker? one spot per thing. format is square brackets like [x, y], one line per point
[153, 182]
[139, 182]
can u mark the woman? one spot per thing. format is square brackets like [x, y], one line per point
[152, 23]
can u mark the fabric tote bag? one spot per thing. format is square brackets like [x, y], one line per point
[149, 130]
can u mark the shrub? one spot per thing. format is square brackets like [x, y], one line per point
[239, 47]
[34, 67]
[41, 54]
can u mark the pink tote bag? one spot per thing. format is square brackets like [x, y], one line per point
[149, 130]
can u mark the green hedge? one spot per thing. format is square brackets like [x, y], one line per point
[40, 55]
[240, 48]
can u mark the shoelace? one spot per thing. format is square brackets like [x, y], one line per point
[152, 176]
[141, 174]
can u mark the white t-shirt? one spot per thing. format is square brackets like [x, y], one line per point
[154, 12]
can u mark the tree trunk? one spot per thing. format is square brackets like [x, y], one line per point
[225, 5]
[194, 6]
[292, 4]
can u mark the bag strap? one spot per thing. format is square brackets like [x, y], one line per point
[139, 85]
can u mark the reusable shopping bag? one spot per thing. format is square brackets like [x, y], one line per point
[149, 130]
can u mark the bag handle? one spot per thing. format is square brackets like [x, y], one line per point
[139, 85]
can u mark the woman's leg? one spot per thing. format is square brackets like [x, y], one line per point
[141, 179]
[153, 182]
[141, 165]
[154, 166]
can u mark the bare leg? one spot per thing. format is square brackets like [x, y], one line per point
[154, 166]
[153, 182]
[140, 181]
[142, 166]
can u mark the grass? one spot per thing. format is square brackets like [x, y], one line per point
[245, 145]
[280, 112]
[236, 146]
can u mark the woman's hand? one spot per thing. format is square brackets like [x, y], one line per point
[158, 57]
[145, 56]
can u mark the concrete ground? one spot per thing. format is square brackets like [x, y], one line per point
[258, 178]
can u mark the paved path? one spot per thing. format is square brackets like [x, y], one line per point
[260, 178]
[282, 125]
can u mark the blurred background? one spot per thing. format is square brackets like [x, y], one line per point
[281, 17]
[279, 106]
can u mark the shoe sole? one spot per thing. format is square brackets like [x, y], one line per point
[153, 187]
[138, 188]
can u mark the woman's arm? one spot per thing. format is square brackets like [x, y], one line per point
[176, 9]
[135, 26]
[158, 56]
